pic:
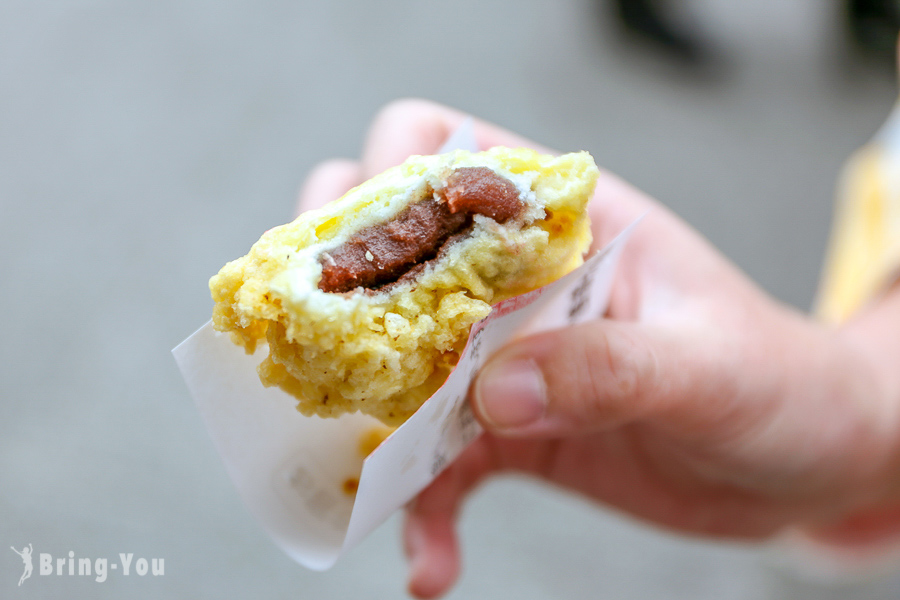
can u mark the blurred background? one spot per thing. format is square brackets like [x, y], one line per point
[144, 144]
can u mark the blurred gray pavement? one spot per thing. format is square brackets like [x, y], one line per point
[144, 144]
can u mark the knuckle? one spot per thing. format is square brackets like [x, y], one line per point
[616, 373]
[403, 109]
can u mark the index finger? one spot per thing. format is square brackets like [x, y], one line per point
[413, 126]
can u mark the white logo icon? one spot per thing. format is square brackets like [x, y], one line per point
[26, 558]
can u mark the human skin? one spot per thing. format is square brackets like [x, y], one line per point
[698, 402]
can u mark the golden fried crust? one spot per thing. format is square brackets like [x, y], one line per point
[385, 351]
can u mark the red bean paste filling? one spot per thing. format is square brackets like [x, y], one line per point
[382, 254]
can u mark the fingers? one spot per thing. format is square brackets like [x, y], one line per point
[328, 181]
[430, 539]
[412, 126]
[614, 206]
[601, 375]
[662, 235]
[429, 533]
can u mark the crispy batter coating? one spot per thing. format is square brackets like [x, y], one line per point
[385, 351]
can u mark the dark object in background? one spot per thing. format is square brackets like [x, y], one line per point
[873, 26]
[650, 21]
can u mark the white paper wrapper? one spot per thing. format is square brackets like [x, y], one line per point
[291, 470]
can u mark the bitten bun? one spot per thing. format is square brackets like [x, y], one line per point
[361, 313]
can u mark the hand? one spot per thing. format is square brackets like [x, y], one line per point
[697, 402]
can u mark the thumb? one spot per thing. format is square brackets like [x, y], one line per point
[600, 375]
